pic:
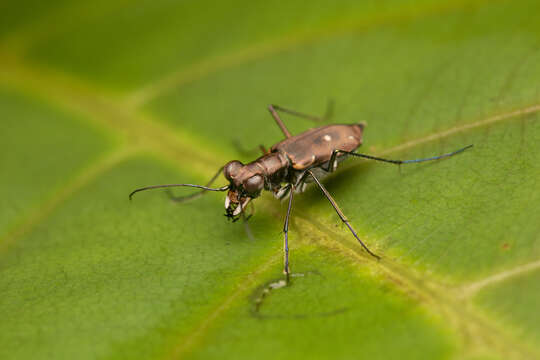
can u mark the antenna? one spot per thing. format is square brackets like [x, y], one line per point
[223, 188]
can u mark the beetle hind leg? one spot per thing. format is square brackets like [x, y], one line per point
[275, 108]
[341, 215]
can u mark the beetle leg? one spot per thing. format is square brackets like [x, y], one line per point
[286, 269]
[282, 192]
[279, 122]
[275, 108]
[263, 149]
[340, 214]
[399, 162]
[248, 152]
[327, 115]
[332, 165]
[245, 219]
[196, 194]
[252, 208]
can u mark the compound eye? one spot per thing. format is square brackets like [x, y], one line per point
[231, 169]
[254, 184]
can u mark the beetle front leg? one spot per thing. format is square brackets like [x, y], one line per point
[247, 228]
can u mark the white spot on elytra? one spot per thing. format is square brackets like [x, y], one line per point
[312, 157]
[351, 137]
[327, 138]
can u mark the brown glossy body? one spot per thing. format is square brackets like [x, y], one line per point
[289, 158]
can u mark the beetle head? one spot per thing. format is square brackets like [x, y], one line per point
[245, 184]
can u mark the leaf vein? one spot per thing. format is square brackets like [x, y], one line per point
[287, 42]
[471, 289]
[43, 210]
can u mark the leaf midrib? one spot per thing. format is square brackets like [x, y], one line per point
[441, 299]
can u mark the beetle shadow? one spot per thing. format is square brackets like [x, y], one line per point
[261, 294]
[352, 174]
[336, 183]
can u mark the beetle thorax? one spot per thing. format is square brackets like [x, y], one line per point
[247, 181]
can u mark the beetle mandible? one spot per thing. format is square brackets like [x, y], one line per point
[289, 165]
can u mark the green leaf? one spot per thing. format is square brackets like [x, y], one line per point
[100, 98]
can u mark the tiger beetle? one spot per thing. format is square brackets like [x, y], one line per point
[288, 166]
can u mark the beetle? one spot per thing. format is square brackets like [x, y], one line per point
[288, 166]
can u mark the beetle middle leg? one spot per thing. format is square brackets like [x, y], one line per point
[286, 269]
[340, 213]
[197, 194]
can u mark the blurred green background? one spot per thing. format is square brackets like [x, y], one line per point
[98, 98]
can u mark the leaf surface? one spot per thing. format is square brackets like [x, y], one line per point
[101, 99]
